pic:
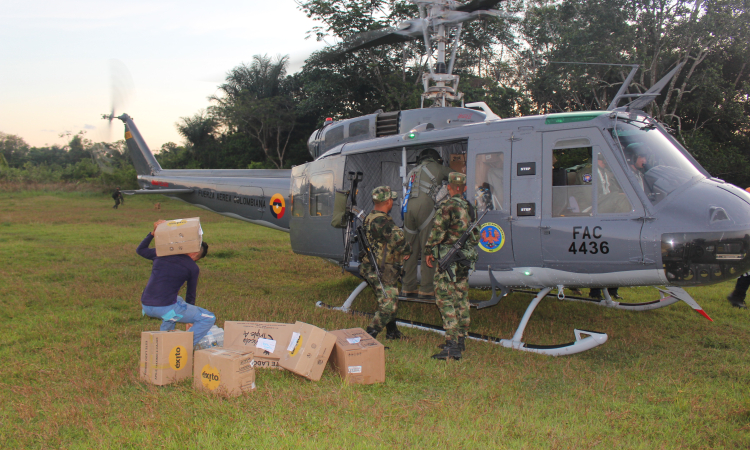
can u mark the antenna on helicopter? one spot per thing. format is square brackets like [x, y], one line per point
[437, 18]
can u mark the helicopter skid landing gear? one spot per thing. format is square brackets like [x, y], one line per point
[593, 339]
[348, 303]
[669, 296]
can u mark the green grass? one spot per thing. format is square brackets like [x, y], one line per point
[70, 323]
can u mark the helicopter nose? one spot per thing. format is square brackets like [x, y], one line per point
[714, 244]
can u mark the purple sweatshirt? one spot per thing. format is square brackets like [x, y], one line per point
[168, 275]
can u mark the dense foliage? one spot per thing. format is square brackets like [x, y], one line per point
[262, 116]
[79, 161]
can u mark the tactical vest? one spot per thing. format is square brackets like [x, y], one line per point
[424, 181]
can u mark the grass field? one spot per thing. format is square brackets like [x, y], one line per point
[70, 324]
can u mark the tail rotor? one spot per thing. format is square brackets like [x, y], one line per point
[121, 88]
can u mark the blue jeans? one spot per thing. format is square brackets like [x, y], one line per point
[182, 312]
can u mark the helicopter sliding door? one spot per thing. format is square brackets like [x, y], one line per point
[313, 185]
[488, 169]
[588, 212]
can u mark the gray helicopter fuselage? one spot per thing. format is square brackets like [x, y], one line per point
[667, 223]
[533, 240]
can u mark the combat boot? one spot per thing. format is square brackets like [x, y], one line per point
[391, 331]
[373, 331]
[736, 301]
[450, 351]
[461, 344]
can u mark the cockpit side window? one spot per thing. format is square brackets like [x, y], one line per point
[656, 165]
[572, 188]
[489, 191]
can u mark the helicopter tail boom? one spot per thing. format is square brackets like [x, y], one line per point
[143, 159]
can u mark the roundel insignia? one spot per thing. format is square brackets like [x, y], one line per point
[277, 206]
[491, 237]
[587, 178]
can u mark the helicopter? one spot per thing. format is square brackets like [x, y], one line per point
[590, 199]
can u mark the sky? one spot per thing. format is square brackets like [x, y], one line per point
[60, 59]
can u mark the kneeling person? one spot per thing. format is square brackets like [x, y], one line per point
[169, 273]
[390, 248]
[453, 218]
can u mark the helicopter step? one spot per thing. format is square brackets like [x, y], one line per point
[498, 292]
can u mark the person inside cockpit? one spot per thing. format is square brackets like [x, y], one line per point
[637, 155]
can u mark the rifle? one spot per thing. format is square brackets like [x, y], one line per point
[355, 178]
[364, 242]
[455, 255]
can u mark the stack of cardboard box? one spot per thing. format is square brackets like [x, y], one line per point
[301, 348]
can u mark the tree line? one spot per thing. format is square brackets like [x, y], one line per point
[262, 116]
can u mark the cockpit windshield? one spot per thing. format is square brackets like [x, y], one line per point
[657, 165]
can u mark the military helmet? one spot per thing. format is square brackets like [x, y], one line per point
[636, 149]
[430, 153]
[383, 193]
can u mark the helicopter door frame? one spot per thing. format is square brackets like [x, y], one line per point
[573, 232]
[491, 153]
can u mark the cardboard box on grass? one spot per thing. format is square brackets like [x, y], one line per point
[268, 340]
[358, 357]
[223, 371]
[166, 356]
[307, 351]
[179, 236]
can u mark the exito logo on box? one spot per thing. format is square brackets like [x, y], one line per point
[177, 358]
[210, 377]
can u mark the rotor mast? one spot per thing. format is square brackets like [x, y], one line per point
[440, 84]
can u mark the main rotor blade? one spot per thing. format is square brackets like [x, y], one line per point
[476, 5]
[374, 38]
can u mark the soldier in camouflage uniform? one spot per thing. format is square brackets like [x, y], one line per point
[391, 249]
[452, 219]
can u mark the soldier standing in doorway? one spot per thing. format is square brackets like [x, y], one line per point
[390, 248]
[453, 218]
[423, 181]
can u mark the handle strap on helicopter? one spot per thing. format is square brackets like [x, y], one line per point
[364, 242]
[455, 255]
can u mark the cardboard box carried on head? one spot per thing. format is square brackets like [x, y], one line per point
[358, 357]
[166, 356]
[307, 351]
[179, 236]
[223, 371]
[267, 340]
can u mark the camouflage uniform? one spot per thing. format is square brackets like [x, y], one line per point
[452, 294]
[389, 245]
